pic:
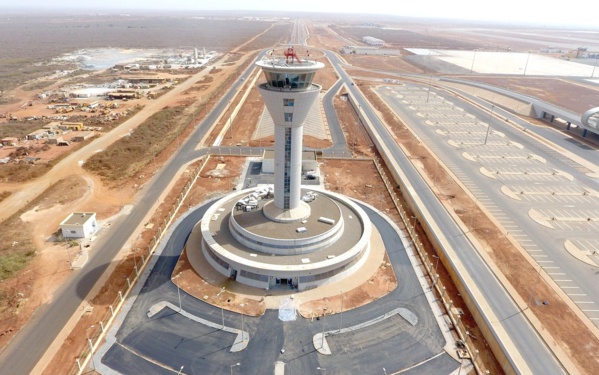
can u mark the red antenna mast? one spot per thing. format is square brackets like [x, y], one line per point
[291, 55]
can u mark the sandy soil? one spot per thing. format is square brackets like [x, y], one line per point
[336, 172]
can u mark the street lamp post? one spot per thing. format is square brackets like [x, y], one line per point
[234, 365]
[69, 255]
[436, 264]
[428, 93]
[222, 311]
[324, 314]
[321, 369]
[242, 326]
[91, 347]
[178, 289]
[526, 64]
[180, 370]
[489, 125]
[341, 313]
[532, 293]
[473, 57]
[230, 124]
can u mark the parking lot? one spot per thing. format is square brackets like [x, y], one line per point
[536, 197]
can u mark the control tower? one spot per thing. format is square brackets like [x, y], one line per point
[283, 236]
[288, 95]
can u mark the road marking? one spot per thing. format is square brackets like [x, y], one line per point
[564, 280]
[570, 287]
[552, 268]
[555, 273]
[590, 310]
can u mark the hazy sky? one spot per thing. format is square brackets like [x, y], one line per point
[569, 12]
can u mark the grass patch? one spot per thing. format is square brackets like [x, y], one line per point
[4, 195]
[18, 129]
[38, 85]
[13, 263]
[129, 155]
[21, 172]
[17, 249]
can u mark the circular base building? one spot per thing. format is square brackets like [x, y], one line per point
[240, 240]
[285, 235]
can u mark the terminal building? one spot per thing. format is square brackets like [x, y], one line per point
[286, 235]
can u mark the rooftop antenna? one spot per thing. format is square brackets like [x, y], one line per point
[291, 55]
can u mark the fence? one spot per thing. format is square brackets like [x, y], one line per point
[431, 268]
[94, 339]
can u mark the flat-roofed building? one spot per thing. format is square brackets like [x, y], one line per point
[9, 141]
[79, 225]
[83, 136]
[74, 126]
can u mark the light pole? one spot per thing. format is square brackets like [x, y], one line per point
[532, 294]
[385, 370]
[91, 347]
[180, 370]
[230, 124]
[69, 255]
[436, 264]
[234, 365]
[324, 314]
[222, 311]
[473, 57]
[526, 64]
[242, 327]
[428, 93]
[321, 369]
[341, 314]
[178, 289]
[489, 125]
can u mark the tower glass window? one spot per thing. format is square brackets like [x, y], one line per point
[287, 166]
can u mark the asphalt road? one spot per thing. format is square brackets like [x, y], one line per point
[524, 337]
[168, 340]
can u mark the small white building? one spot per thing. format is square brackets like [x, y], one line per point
[79, 225]
[373, 41]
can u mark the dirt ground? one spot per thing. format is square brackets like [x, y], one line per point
[51, 267]
[211, 186]
[335, 175]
